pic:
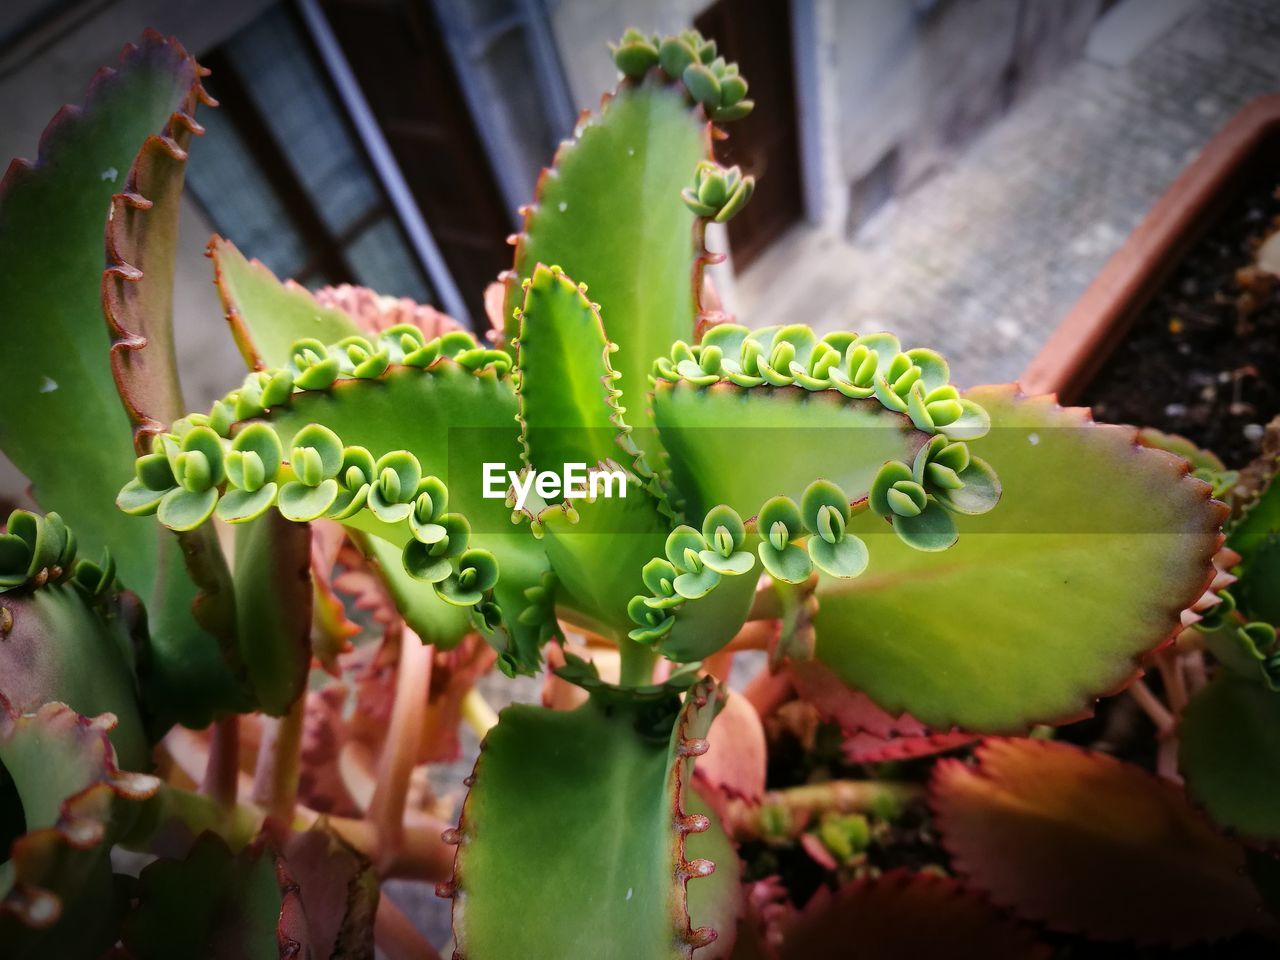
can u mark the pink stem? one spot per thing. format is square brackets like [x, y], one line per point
[222, 771]
[1175, 685]
[1167, 759]
[755, 635]
[1193, 668]
[402, 746]
[767, 691]
[275, 780]
[719, 664]
[397, 937]
[1152, 707]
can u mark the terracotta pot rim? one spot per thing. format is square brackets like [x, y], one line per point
[1098, 321]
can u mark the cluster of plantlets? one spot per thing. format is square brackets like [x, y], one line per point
[937, 568]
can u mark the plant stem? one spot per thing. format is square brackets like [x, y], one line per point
[637, 663]
[1152, 707]
[1175, 686]
[771, 602]
[786, 813]
[1193, 664]
[768, 690]
[477, 713]
[719, 664]
[1167, 759]
[396, 937]
[275, 778]
[222, 771]
[754, 635]
[401, 748]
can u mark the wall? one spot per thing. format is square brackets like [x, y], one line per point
[583, 27]
[916, 81]
[38, 77]
[900, 86]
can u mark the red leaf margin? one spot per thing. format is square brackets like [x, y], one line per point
[1242, 919]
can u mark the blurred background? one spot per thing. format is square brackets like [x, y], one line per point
[925, 165]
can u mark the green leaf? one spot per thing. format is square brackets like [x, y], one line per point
[980, 493]
[477, 413]
[213, 904]
[568, 411]
[553, 789]
[598, 553]
[610, 214]
[302, 504]
[1259, 587]
[266, 315]
[844, 558]
[790, 563]
[1240, 648]
[1229, 755]
[1046, 602]
[705, 625]
[453, 421]
[1256, 537]
[56, 895]
[184, 510]
[57, 388]
[741, 446]
[137, 286]
[930, 531]
[56, 380]
[238, 506]
[273, 608]
[450, 419]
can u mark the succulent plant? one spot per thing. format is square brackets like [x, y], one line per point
[926, 564]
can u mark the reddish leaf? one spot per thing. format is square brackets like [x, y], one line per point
[872, 735]
[1085, 843]
[735, 764]
[320, 784]
[338, 890]
[374, 312]
[904, 915]
[362, 585]
[868, 748]
[453, 673]
[765, 910]
[375, 688]
[851, 709]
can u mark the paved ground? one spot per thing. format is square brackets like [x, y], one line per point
[984, 259]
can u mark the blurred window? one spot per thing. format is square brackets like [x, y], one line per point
[282, 174]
